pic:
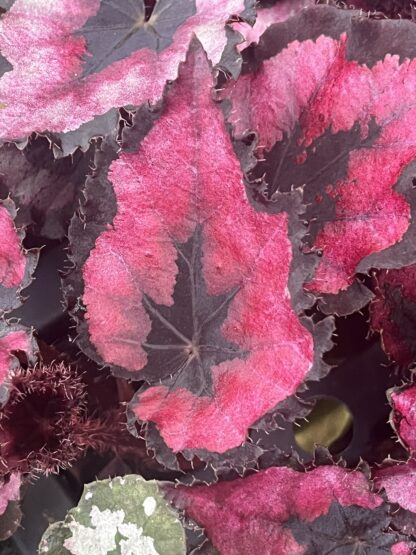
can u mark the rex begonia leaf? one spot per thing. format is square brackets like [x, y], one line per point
[264, 513]
[403, 417]
[393, 313]
[45, 190]
[76, 60]
[328, 94]
[16, 264]
[190, 288]
[125, 515]
[399, 482]
[13, 338]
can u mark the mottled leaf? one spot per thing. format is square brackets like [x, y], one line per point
[328, 94]
[170, 286]
[257, 514]
[74, 60]
[126, 515]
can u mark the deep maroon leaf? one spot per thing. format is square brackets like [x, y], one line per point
[257, 514]
[329, 97]
[16, 264]
[13, 338]
[170, 286]
[60, 54]
[45, 190]
[393, 313]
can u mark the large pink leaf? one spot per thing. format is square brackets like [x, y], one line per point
[74, 60]
[270, 512]
[16, 264]
[328, 95]
[188, 288]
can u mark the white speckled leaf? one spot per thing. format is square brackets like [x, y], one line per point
[123, 516]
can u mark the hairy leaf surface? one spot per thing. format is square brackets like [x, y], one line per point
[74, 60]
[262, 513]
[188, 288]
[327, 93]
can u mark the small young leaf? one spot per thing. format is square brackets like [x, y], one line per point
[125, 515]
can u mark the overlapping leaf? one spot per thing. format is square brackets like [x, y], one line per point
[45, 190]
[403, 417]
[328, 95]
[280, 511]
[16, 264]
[393, 313]
[188, 288]
[74, 61]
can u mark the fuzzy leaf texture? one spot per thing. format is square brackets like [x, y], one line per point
[169, 287]
[74, 61]
[126, 515]
[280, 511]
[327, 93]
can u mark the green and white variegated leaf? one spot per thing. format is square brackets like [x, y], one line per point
[123, 516]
